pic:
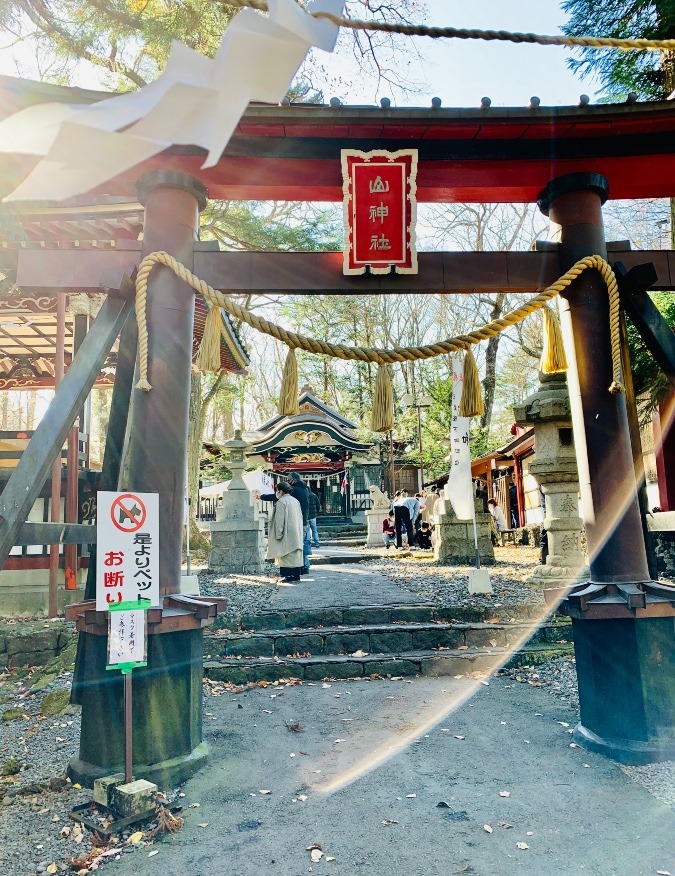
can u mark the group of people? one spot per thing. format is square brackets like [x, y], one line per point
[292, 529]
[410, 515]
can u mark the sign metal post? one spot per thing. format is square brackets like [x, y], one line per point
[127, 585]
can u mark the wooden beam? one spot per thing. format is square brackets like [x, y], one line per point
[321, 273]
[56, 533]
[29, 476]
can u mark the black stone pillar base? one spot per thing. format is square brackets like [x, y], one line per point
[626, 687]
[167, 713]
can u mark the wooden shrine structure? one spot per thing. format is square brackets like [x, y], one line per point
[567, 159]
[319, 444]
[31, 329]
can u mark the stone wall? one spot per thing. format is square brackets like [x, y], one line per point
[33, 644]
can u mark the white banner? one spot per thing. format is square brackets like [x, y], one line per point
[127, 548]
[460, 486]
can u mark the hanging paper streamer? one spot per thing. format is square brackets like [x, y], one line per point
[195, 101]
[459, 488]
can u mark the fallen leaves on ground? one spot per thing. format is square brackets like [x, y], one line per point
[296, 728]
[167, 822]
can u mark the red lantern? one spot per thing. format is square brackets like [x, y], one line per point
[379, 211]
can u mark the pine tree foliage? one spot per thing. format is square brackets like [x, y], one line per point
[651, 75]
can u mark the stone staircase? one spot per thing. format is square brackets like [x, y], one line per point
[380, 641]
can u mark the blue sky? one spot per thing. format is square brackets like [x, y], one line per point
[459, 72]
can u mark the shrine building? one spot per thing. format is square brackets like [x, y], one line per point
[321, 446]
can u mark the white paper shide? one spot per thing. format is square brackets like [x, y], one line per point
[195, 101]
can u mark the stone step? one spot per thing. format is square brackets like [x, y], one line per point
[346, 540]
[428, 663]
[331, 617]
[422, 612]
[341, 528]
[336, 559]
[390, 638]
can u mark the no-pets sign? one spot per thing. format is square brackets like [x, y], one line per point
[127, 548]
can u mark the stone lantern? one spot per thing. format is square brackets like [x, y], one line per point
[555, 468]
[237, 535]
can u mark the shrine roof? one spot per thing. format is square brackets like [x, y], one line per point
[474, 154]
[304, 425]
[306, 401]
[28, 341]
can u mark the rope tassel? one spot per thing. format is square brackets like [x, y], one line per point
[471, 403]
[288, 394]
[383, 401]
[208, 356]
[553, 359]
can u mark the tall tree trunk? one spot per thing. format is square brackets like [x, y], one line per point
[490, 381]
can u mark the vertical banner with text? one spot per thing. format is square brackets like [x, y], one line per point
[379, 191]
[127, 549]
[460, 485]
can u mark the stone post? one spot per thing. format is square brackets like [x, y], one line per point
[555, 468]
[237, 536]
[375, 516]
[454, 538]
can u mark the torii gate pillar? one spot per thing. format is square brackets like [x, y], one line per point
[158, 434]
[167, 693]
[622, 625]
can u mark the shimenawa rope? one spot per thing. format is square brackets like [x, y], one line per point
[370, 354]
[592, 42]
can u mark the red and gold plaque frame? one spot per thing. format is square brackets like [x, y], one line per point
[380, 209]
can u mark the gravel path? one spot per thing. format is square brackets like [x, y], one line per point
[447, 585]
[245, 594]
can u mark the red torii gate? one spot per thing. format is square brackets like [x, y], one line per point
[565, 158]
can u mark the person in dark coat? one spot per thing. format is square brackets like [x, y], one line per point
[424, 537]
[402, 519]
[513, 504]
[314, 508]
[301, 492]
